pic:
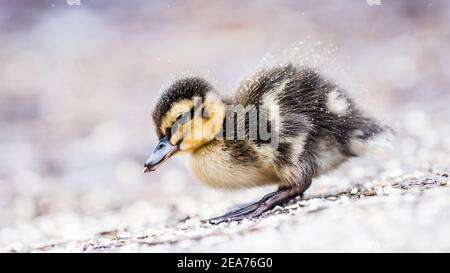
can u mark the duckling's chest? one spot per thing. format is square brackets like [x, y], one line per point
[218, 167]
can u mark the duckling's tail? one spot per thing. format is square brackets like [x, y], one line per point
[380, 139]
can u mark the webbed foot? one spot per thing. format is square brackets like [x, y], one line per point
[257, 208]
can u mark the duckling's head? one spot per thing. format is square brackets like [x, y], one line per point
[188, 115]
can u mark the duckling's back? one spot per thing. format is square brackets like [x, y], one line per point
[317, 125]
[314, 127]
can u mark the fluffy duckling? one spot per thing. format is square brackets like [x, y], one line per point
[285, 125]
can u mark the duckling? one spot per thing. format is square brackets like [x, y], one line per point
[311, 126]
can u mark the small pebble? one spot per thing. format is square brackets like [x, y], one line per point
[292, 207]
[379, 190]
[428, 181]
[293, 211]
[246, 222]
[142, 235]
[343, 199]
[388, 189]
[303, 203]
[278, 209]
[123, 235]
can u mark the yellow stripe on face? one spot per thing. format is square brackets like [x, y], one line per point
[177, 109]
[201, 130]
[198, 130]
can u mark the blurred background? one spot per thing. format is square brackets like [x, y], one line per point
[78, 83]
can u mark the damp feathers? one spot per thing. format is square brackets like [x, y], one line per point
[317, 124]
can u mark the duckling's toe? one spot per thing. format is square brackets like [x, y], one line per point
[236, 215]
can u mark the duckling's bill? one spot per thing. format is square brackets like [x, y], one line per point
[163, 151]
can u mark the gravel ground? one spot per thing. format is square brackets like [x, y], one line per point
[76, 88]
[347, 220]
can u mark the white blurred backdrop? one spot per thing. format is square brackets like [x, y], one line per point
[78, 82]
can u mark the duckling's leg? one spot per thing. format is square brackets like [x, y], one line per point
[266, 203]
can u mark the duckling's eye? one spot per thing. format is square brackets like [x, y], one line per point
[180, 120]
